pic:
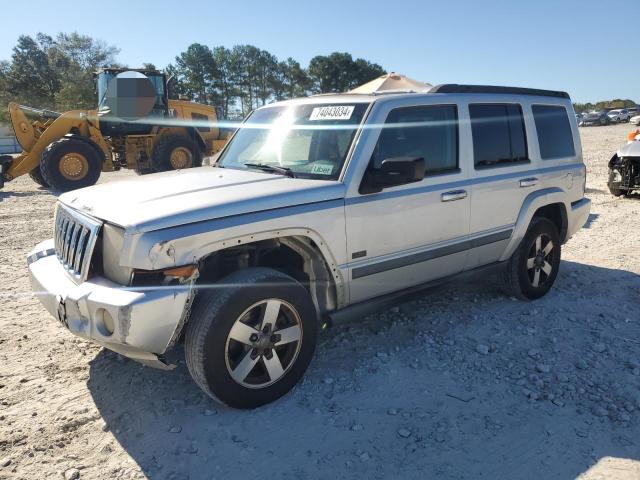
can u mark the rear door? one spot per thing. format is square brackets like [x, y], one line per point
[502, 175]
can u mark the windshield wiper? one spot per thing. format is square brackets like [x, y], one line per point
[272, 168]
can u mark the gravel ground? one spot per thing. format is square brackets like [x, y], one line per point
[462, 382]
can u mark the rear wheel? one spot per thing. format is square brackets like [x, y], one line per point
[36, 176]
[250, 339]
[176, 152]
[70, 163]
[532, 269]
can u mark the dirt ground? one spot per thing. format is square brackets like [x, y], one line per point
[462, 382]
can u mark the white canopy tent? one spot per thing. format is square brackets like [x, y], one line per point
[390, 82]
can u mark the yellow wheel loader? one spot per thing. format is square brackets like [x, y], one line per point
[135, 126]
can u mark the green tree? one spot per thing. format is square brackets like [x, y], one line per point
[243, 75]
[223, 80]
[338, 72]
[4, 94]
[365, 71]
[295, 79]
[30, 77]
[86, 52]
[196, 69]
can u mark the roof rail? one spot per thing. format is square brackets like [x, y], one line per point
[455, 88]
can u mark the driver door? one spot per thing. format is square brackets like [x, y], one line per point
[410, 234]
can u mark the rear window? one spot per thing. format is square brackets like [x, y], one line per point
[498, 134]
[554, 131]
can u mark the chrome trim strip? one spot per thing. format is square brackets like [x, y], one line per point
[430, 254]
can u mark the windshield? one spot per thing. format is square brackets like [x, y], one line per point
[103, 82]
[312, 141]
[104, 78]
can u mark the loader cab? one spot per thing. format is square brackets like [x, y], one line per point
[147, 102]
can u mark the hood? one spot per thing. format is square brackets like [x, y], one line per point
[179, 197]
[631, 149]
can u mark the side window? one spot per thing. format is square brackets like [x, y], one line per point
[554, 131]
[429, 131]
[201, 121]
[498, 134]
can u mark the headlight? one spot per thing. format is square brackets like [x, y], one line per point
[616, 176]
[112, 243]
[170, 276]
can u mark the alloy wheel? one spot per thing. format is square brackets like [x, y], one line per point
[540, 260]
[263, 343]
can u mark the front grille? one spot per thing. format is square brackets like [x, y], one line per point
[74, 238]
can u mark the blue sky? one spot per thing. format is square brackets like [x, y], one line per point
[588, 48]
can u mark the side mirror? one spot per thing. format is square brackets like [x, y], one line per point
[393, 172]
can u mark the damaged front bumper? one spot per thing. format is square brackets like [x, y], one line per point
[138, 323]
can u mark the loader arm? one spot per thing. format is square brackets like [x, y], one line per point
[34, 136]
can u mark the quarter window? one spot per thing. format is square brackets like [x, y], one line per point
[498, 134]
[554, 131]
[429, 132]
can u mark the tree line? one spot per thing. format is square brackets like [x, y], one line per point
[56, 72]
[605, 104]
[245, 77]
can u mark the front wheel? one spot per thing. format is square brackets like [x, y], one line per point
[532, 269]
[36, 176]
[70, 163]
[251, 338]
[615, 179]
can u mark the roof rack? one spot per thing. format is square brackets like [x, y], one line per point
[455, 88]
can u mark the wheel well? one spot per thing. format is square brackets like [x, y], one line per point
[197, 138]
[296, 256]
[75, 134]
[557, 213]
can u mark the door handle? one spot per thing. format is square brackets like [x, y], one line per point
[529, 182]
[453, 195]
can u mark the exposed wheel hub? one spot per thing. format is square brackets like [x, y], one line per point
[180, 158]
[73, 166]
[538, 262]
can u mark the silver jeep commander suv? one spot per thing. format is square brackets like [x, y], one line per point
[316, 205]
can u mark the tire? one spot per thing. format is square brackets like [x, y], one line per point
[70, 163]
[614, 187]
[187, 150]
[524, 266]
[36, 176]
[214, 358]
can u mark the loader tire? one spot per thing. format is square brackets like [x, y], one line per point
[36, 176]
[175, 152]
[69, 163]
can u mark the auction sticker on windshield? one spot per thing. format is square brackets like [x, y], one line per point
[332, 112]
